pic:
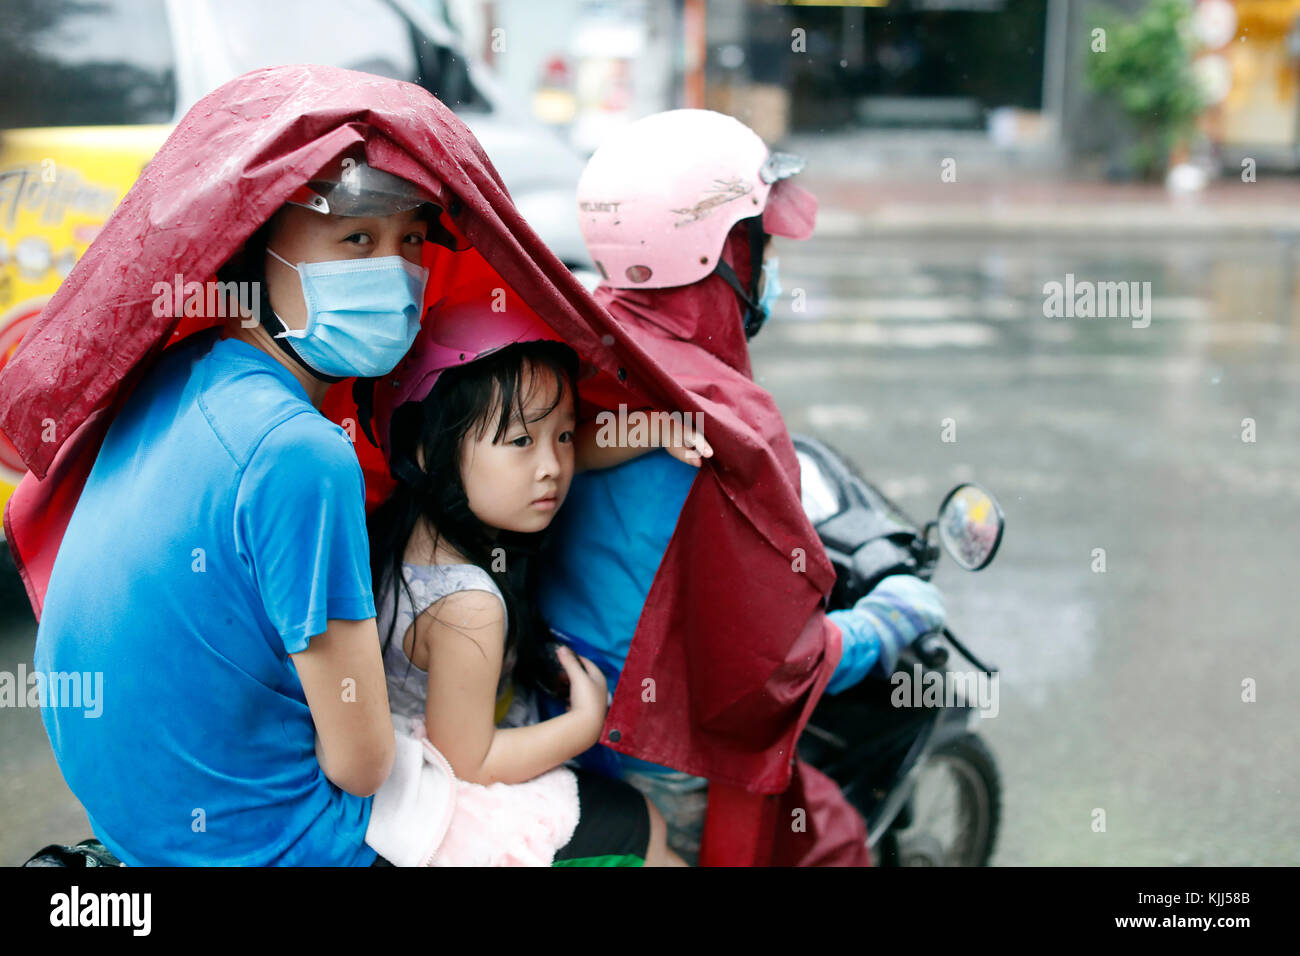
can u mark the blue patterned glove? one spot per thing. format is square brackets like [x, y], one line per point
[898, 610]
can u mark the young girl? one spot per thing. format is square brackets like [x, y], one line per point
[478, 427]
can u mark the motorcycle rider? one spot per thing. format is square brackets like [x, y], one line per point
[676, 211]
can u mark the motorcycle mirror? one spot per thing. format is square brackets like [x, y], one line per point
[970, 526]
[818, 494]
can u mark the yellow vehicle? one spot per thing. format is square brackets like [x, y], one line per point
[92, 91]
[57, 186]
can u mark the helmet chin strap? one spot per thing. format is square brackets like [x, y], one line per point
[403, 469]
[754, 317]
[363, 393]
[268, 319]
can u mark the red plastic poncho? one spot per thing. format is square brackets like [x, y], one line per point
[729, 626]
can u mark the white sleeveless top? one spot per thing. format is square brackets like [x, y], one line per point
[407, 684]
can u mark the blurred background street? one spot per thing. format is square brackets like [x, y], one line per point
[1120, 690]
[966, 154]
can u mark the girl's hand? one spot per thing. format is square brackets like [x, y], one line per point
[588, 692]
[693, 449]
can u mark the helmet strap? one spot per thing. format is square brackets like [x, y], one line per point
[363, 393]
[268, 320]
[403, 469]
[753, 318]
[403, 466]
[400, 465]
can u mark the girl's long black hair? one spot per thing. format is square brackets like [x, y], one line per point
[463, 403]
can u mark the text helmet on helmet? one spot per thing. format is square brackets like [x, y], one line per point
[657, 199]
[472, 321]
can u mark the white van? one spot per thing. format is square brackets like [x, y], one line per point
[93, 89]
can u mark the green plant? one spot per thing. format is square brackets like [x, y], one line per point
[1146, 70]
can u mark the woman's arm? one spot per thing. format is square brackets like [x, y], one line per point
[462, 639]
[342, 676]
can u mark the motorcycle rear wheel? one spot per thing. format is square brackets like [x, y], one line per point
[963, 767]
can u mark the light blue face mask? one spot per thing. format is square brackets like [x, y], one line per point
[771, 286]
[362, 314]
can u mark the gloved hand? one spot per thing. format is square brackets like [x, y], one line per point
[898, 610]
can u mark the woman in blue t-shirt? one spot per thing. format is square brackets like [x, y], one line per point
[216, 569]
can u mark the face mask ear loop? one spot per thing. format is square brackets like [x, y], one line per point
[268, 320]
[272, 252]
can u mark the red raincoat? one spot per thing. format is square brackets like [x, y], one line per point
[730, 626]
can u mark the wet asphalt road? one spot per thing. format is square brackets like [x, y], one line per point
[1120, 690]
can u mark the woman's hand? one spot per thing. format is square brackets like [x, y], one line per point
[588, 691]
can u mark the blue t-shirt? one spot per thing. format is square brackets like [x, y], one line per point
[222, 525]
[606, 546]
[605, 549]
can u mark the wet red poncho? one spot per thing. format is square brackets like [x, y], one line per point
[731, 629]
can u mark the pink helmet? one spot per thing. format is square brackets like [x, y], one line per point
[657, 199]
[472, 321]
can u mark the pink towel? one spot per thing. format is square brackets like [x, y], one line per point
[502, 824]
[511, 824]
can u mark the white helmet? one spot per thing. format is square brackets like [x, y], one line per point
[657, 200]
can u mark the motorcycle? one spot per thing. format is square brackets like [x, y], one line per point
[895, 761]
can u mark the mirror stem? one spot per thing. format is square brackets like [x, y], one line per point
[952, 639]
